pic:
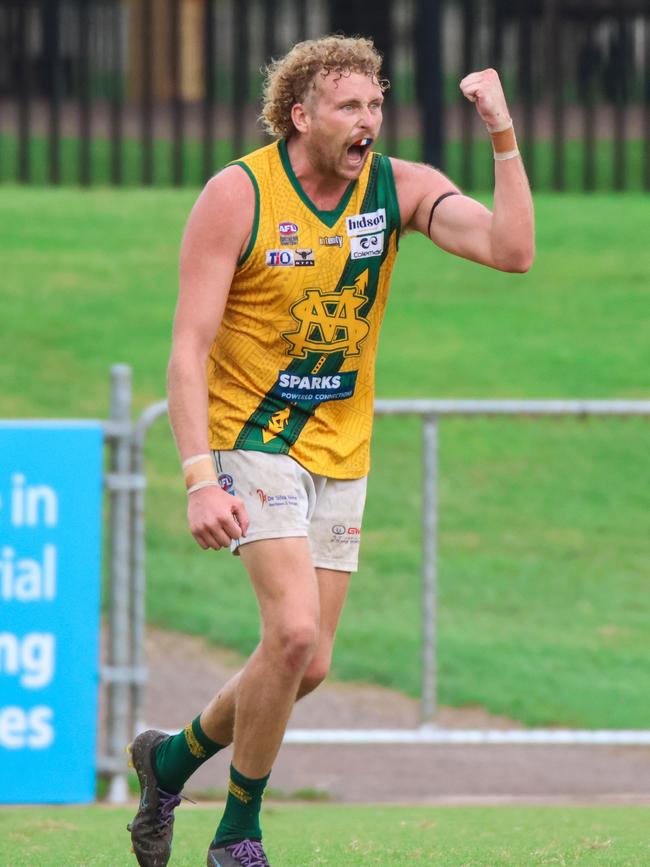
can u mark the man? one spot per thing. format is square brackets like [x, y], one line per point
[285, 266]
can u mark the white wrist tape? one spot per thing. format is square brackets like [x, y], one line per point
[205, 484]
[199, 468]
[189, 461]
[508, 155]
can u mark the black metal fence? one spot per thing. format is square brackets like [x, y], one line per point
[167, 91]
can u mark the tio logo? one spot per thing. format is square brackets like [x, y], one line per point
[279, 257]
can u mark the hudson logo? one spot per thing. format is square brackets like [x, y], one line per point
[362, 224]
[329, 321]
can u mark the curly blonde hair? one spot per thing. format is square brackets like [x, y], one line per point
[289, 79]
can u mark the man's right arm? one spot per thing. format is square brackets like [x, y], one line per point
[216, 234]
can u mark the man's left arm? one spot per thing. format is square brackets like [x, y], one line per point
[502, 238]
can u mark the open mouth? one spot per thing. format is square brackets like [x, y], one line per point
[358, 150]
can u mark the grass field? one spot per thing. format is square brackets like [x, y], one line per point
[544, 610]
[307, 836]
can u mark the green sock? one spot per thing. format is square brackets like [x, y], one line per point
[180, 755]
[241, 819]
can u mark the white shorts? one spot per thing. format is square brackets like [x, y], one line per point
[283, 499]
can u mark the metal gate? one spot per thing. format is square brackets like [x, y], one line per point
[125, 671]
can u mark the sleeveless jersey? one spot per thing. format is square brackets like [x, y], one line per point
[291, 369]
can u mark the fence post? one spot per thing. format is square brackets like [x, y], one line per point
[429, 569]
[119, 651]
[138, 585]
[429, 41]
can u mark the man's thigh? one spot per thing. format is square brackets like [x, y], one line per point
[285, 582]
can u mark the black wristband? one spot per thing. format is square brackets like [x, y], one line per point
[435, 205]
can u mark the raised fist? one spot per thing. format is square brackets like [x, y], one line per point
[484, 88]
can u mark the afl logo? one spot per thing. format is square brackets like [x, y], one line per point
[288, 229]
[338, 529]
[226, 482]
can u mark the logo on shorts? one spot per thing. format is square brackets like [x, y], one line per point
[226, 483]
[351, 534]
[273, 500]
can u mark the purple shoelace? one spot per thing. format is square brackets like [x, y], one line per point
[167, 803]
[249, 852]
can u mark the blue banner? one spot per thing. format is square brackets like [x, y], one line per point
[50, 531]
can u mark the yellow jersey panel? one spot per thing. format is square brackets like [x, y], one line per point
[291, 369]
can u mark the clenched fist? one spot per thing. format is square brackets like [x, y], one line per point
[484, 88]
[215, 517]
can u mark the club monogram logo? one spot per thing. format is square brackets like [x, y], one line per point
[329, 321]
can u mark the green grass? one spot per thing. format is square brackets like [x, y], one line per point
[101, 156]
[306, 836]
[544, 543]
[540, 159]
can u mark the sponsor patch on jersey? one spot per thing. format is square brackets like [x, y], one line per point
[279, 257]
[288, 233]
[366, 246]
[362, 224]
[319, 388]
[303, 257]
[331, 240]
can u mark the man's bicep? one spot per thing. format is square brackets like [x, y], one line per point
[418, 187]
[438, 209]
[461, 225]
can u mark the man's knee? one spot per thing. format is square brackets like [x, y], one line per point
[294, 645]
[316, 672]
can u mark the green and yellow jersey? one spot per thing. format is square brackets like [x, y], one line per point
[291, 369]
